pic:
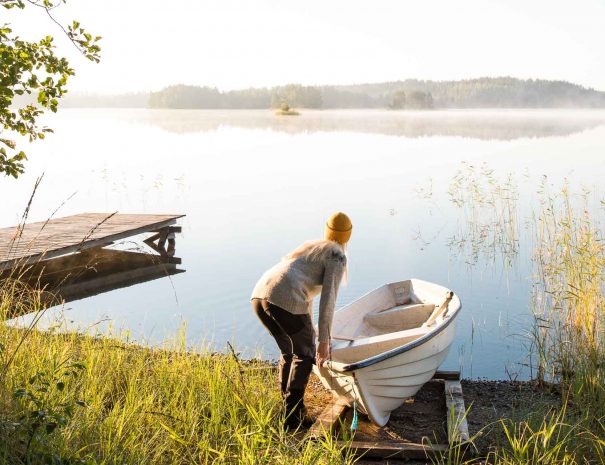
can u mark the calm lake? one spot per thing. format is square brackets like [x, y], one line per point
[254, 186]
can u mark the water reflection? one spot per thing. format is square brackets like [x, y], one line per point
[95, 271]
[477, 124]
[489, 226]
[251, 195]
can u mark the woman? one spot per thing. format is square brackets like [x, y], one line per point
[283, 301]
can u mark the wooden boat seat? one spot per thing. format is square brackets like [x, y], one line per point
[399, 318]
[359, 349]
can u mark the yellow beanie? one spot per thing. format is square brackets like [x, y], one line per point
[338, 228]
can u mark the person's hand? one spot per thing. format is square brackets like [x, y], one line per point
[323, 353]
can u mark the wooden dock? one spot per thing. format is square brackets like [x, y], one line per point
[67, 258]
[33, 242]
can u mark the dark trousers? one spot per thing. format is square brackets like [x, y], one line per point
[295, 338]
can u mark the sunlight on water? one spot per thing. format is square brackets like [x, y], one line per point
[253, 187]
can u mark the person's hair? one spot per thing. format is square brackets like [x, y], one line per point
[319, 250]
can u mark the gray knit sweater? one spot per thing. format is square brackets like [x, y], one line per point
[294, 282]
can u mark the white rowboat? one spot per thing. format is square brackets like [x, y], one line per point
[388, 343]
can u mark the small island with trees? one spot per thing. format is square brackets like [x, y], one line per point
[285, 110]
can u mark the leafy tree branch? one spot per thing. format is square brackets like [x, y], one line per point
[32, 79]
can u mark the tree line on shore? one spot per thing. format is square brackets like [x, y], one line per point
[504, 92]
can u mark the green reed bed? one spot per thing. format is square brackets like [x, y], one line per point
[567, 337]
[569, 297]
[68, 398]
[569, 323]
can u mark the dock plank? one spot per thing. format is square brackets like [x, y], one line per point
[59, 236]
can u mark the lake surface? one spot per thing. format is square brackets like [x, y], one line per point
[254, 186]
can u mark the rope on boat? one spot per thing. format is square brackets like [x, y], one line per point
[354, 422]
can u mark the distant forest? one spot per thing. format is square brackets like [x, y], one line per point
[505, 92]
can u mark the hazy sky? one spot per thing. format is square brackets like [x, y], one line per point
[241, 43]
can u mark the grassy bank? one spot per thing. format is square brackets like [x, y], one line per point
[65, 398]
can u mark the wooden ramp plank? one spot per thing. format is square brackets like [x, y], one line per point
[457, 426]
[447, 375]
[59, 236]
[366, 446]
[394, 449]
[328, 418]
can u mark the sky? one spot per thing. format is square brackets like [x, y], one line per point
[233, 44]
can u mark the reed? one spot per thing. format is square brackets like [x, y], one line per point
[567, 335]
[568, 306]
[489, 228]
[569, 297]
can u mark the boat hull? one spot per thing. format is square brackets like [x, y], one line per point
[381, 384]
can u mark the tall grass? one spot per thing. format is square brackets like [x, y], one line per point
[568, 305]
[569, 298]
[568, 334]
[552, 442]
[71, 398]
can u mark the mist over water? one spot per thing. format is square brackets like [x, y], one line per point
[254, 186]
[476, 124]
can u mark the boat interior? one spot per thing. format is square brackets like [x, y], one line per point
[388, 317]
